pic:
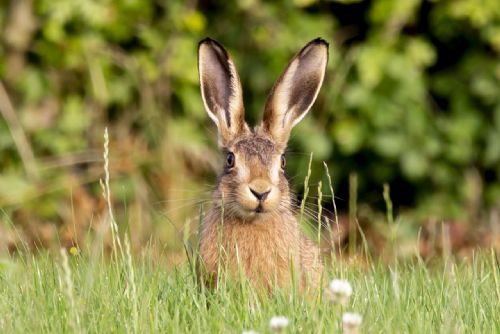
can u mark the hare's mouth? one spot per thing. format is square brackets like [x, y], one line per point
[250, 213]
[259, 208]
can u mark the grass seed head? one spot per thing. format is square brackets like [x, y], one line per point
[339, 291]
[278, 324]
[351, 323]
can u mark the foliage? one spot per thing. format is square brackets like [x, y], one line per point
[411, 99]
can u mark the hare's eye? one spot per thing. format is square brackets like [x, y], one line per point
[230, 160]
[283, 161]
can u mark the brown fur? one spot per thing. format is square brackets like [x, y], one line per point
[245, 233]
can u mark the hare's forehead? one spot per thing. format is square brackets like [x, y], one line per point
[262, 148]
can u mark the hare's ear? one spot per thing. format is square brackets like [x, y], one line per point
[221, 90]
[295, 91]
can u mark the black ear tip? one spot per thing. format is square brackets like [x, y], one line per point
[315, 43]
[319, 41]
[214, 44]
[206, 40]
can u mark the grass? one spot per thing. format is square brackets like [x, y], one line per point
[92, 294]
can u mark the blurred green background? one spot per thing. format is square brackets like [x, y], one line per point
[411, 99]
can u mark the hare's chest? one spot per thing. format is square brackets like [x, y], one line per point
[263, 252]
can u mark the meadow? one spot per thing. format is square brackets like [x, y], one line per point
[86, 292]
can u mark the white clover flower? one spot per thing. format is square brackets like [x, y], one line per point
[278, 324]
[351, 323]
[339, 291]
[249, 332]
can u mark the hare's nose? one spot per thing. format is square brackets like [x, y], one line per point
[261, 196]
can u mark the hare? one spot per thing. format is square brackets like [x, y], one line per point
[251, 227]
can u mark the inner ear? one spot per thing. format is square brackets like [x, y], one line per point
[296, 90]
[304, 87]
[215, 78]
[221, 90]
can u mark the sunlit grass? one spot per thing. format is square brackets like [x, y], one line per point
[35, 297]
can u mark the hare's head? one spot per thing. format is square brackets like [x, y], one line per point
[253, 182]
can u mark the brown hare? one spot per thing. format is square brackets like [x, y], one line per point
[252, 227]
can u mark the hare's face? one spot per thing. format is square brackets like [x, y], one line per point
[253, 181]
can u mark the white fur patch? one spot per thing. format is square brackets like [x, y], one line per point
[243, 170]
[275, 170]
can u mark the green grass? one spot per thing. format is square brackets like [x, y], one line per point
[35, 296]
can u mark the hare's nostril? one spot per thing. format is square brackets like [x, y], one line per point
[260, 196]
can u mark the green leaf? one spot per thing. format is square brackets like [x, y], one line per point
[349, 135]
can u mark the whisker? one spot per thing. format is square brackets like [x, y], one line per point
[177, 200]
[184, 206]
